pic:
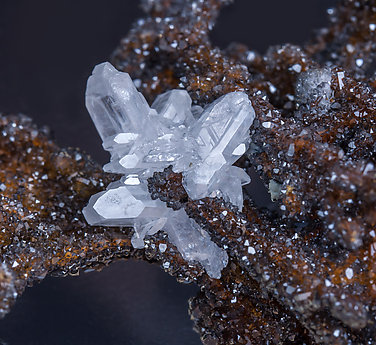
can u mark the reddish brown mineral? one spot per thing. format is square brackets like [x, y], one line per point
[303, 274]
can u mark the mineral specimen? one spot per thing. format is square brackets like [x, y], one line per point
[300, 272]
[143, 140]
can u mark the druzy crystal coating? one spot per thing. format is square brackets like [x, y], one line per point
[143, 140]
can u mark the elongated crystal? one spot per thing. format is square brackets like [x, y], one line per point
[201, 143]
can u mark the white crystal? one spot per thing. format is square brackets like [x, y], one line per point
[162, 247]
[359, 62]
[129, 161]
[340, 76]
[221, 129]
[125, 138]
[175, 106]
[266, 124]
[112, 100]
[228, 181]
[141, 230]
[143, 140]
[274, 190]
[314, 86]
[118, 203]
[224, 125]
[194, 243]
[349, 273]
[291, 150]
[297, 68]
[201, 143]
[123, 205]
[350, 48]
[240, 150]
[132, 180]
[251, 250]
[133, 206]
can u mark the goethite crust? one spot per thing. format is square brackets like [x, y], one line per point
[304, 274]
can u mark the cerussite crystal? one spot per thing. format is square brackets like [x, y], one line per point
[143, 140]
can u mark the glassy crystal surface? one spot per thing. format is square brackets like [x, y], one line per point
[201, 143]
[314, 86]
[122, 204]
[221, 134]
[112, 101]
[194, 243]
[131, 205]
[175, 106]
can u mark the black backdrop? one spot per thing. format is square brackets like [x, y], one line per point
[47, 50]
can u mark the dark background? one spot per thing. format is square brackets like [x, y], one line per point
[47, 50]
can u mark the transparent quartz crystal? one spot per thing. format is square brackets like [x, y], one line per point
[201, 143]
[222, 134]
[131, 205]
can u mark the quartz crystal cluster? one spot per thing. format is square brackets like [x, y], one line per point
[143, 140]
[302, 266]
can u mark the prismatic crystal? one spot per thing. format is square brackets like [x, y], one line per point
[143, 140]
[300, 120]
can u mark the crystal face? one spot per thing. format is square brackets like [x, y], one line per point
[200, 143]
[315, 86]
[221, 134]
